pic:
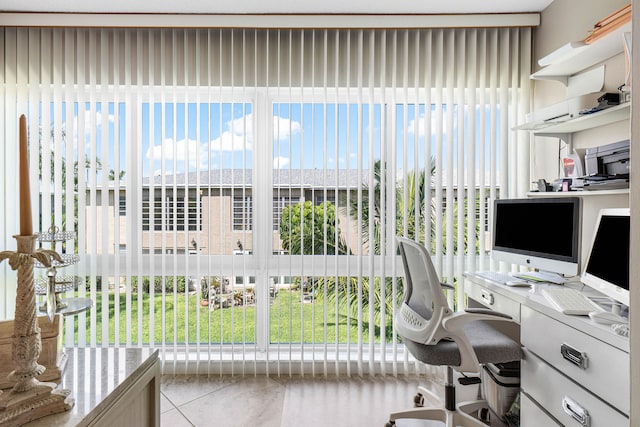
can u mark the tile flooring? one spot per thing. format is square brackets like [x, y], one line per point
[285, 401]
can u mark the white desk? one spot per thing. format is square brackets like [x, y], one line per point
[111, 387]
[595, 385]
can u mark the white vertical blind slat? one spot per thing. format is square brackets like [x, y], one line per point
[104, 214]
[246, 165]
[470, 178]
[503, 100]
[69, 149]
[151, 188]
[136, 171]
[493, 118]
[82, 188]
[439, 128]
[152, 198]
[451, 38]
[209, 191]
[182, 201]
[197, 236]
[462, 147]
[521, 100]
[481, 175]
[92, 243]
[263, 292]
[133, 260]
[57, 134]
[220, 212]
[170, 200]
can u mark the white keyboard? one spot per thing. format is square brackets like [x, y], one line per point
[495, 276]
[570, 301]
[536, 276]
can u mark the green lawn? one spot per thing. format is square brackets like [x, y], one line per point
[291, 320]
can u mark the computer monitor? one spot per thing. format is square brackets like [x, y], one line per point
[542, 233]
[607, 266]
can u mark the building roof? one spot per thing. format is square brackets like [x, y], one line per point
[228, 178]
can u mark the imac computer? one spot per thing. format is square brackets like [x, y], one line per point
[607, 266]
[541, 233]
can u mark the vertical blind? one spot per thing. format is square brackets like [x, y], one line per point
[236, 192]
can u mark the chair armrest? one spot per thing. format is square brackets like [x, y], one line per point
[447, 286]
[487, 311]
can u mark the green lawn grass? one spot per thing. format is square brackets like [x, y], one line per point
[291, 321]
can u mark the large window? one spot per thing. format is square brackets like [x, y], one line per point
[172, 214]
[279, 204]
[236, 192]
[242, 213]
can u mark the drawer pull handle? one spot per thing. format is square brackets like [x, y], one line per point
[575, 356]
[576, 411]
[487, 297]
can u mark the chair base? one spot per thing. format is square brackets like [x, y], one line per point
[461, 416]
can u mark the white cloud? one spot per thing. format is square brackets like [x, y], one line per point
[238, 134]
[232, 141]
[176, 151]
[284, 128]
[411, 126]
[280, 162]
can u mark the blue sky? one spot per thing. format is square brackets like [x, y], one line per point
[221, 135]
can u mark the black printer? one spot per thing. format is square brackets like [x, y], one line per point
[608, 161]
[607, 166]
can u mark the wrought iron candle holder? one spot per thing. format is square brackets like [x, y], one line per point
[53, 285]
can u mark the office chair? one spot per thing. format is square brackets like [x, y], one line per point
[436, 335]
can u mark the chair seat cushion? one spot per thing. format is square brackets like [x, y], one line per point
[490, 345]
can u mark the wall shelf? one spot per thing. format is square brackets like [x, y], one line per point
[593, 193]
[577, 56]
[587, 121]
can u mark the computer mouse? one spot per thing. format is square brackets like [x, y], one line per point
[607, 318]
[517, 283]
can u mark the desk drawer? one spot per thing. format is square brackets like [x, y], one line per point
[560, 396]
[604, 370]
[531, 415]
[494, 300]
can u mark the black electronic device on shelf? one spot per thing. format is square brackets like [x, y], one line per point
[610, 160]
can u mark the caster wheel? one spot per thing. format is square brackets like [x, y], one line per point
[418, 400]
[390, 424]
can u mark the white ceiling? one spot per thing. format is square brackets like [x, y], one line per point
[278, 6]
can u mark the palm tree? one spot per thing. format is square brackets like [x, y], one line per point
[373, 212]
